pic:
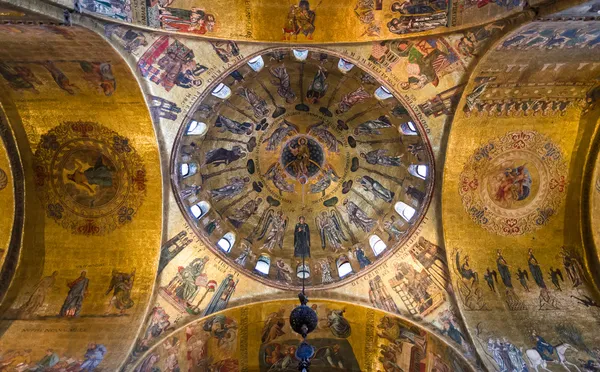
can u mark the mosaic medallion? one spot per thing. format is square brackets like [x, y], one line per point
[302, 157]
[514, 184]
[89, 178]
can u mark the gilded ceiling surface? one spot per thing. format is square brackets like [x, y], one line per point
[511, 198]
[92, 216]
[306, 167]
[303, 21]
[426, 74]
[440, 178]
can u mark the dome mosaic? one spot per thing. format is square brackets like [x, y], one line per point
[298, 163]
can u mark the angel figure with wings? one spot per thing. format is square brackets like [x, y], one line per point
[272, 225]
[328, 175]
[523, 278]
[319, 130]
[555, 275]
[330, 229]
[285, 130]
[491, 277]
[275, 173]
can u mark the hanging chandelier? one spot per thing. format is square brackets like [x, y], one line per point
[303, 320]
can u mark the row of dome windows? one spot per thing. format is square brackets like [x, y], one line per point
[407, 212]
[198, 128]
[263, 264]
[223, 91]
[189, 169]
[257, 63]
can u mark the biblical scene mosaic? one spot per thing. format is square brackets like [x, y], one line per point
[437, 192]
[303, 21]
[259, 338]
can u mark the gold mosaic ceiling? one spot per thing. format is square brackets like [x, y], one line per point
[297, 154]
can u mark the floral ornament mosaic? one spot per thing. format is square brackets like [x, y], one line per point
[514, 184]
[89, 178]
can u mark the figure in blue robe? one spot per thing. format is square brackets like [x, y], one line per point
[543, 347]
[362, 259]
[93, 357]
[77, 292]
[504, 271]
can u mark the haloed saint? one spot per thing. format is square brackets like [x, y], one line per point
[510, 184]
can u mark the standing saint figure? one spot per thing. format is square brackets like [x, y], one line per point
[77, 292]
[121, 285]
[301, 238]
[36, 300]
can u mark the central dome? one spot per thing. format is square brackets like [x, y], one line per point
[300, 156]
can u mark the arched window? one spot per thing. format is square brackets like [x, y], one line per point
[377, 245]
[226, 242]
[187, 169]
[263, 264]
[408, 129]
[196, 128]
[405, 211]
[382, 93]
[221, 91]
[256, 63]
[419, 170]
[300, 54]
[200, 209]
[343, 265]
[303, 271]
[344, 65]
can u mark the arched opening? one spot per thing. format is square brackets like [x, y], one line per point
[257, 63]
[226, 242]
[303, 271]
[344, 267]
[200, 209]
[345, 66]
[408, 129]
[188, 169]
[221, 91]
[382, 93]
[263, 264]
[418, 170]
[300, 54]
[377, 245]
[196, 128]
[405, 211]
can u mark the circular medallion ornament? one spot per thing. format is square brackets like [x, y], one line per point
[89, 178]
[514, 184]
[302, 158]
